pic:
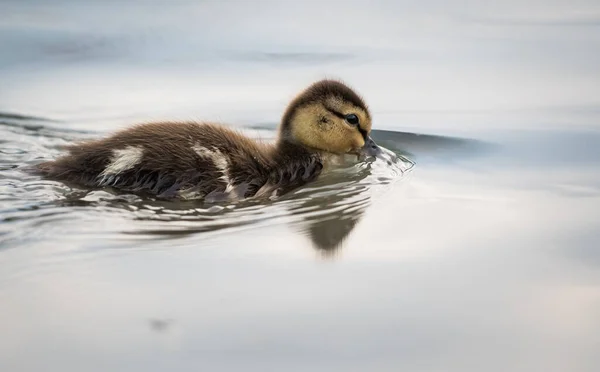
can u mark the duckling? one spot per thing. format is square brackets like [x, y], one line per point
[210, 161]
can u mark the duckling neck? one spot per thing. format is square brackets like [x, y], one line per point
[289, 154]
[292, 166]
[287, 147]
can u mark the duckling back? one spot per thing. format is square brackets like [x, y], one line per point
[186, 160]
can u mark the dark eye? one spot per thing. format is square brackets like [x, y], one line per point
[352, 119]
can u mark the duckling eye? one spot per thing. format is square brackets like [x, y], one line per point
[352, 119]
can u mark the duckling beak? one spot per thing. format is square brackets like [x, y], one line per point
[370, 148]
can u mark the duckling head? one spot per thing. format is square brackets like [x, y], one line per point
[329, 116]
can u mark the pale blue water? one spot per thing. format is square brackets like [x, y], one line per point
[483, 257]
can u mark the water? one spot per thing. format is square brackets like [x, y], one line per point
[483, 256]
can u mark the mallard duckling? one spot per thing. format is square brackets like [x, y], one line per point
[212, 162]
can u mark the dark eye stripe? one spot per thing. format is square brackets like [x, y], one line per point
[336, 113]
[363, 132]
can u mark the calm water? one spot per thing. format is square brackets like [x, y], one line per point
[483, 256]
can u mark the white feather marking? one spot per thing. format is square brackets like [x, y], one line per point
[219, 160]
[190, 194]
[122, 160]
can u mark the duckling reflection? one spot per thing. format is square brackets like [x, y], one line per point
[329, 231]
[344, 200]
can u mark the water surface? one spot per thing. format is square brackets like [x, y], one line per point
[483, 256]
